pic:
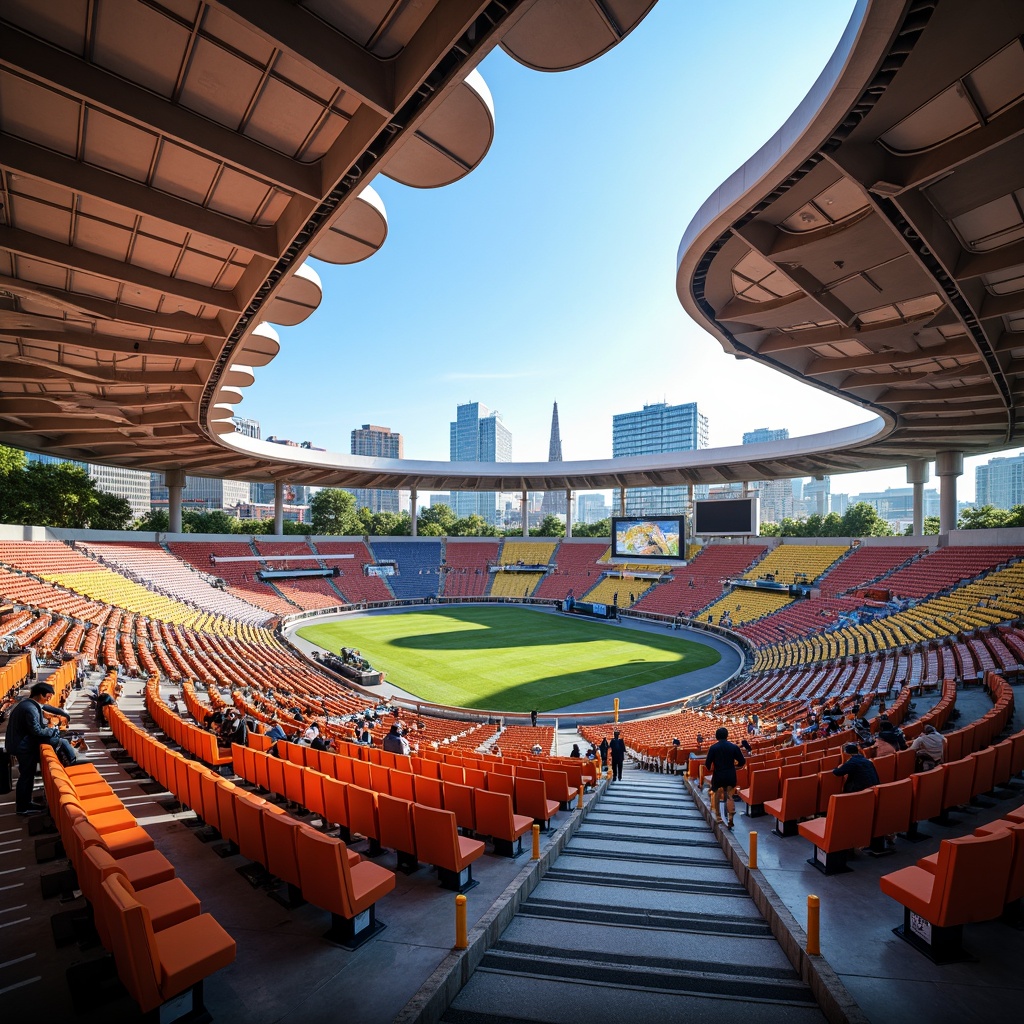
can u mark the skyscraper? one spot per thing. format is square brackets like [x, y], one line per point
[478, 435]
[776, 495]
[554, 501]
[381, 443]
[1000, 482]
[651, 431]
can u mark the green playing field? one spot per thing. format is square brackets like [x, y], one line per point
[504, 658]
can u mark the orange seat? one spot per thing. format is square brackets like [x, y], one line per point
[799, 800]
[893, 801]
[459, 800]
[362, 817]
[846, 826]
[957, 780]
[394, 816]
[156, 966]
[495, 818]
[438, 842]
[763, 785]
[348, 891]
[532, 800]
[968, 884]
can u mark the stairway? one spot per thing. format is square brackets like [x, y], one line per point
[641, 918]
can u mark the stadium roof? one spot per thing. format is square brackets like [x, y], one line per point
[168, 165]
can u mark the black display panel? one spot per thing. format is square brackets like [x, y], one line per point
[648, 538]
[729, 517]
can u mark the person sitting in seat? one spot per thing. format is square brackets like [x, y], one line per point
[395, 742]
[929, 749]
[575, 752]
[857, 770]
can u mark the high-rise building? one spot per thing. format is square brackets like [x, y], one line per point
[1000, 482]
[202, 493]
[553, 503]
[478, 435]
[653, 430]
[816, 496]
[592, 508]
[896, 504]
[776, 495]
[381, 443]
[130, 484]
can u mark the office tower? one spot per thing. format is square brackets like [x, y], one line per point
[592, 508]
[651, 431]
[1000, 482]
[203, 494]
[553, 503]
[381, 443]
[776, 495]
[895, 504]
[478, 435]
[130, 484]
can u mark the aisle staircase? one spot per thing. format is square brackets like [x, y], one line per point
[640, 918]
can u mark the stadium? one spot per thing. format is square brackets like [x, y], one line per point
[169, 169]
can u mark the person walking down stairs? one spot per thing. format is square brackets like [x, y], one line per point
[724, 757]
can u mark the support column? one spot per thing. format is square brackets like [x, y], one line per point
[622, 501]
[279, 508]
[175, 481]
[917, 475]
[948, 466]
[568, 513]
[525, 506]
[414, 497]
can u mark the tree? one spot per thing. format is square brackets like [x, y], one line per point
[333, 513]
[984, 517]
[550, 526]
[602, 528]
[156, 520]
[436, 521]
[863, 520]
[771, 530]
[112, 513]
[212, 520]
[11, 460]
[473, 526]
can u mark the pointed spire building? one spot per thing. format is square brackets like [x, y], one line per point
[554, 501]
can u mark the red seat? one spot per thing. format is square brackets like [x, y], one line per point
[893, 801]
[438, 842]
[799, 800]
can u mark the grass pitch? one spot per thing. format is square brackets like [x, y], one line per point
[509, 659]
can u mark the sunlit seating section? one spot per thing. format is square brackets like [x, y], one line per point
[865, 565]
[465, 572]
[708, 572]
[44, 558]
[150, 563]
[800, 618]
[947, 567]
[514, 584]
[529, 552]
[623, 591]
[239, 573]
[742, 605]
[577, 568]
[797, 563]
[18, 589]
[353, 581]
[522, 738]
[418, 564]
[310, 592]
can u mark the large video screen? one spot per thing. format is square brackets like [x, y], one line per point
[727, 517]
[648, 538]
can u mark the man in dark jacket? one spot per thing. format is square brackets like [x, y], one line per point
[603, 750]
[26, 730]
[724, 757]
[617, 748]
[858, 771]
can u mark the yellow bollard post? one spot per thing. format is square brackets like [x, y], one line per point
[579, 798]
[752, 860]
[536, 842]
[461, 935]
[616, 710]
[813, 926]
[700, 777]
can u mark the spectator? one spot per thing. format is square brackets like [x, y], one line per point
[26, 732]
[395, 742]
[858, 771]
[575, 752]
[275, 732]
[929, 748]
[603, 749]
[536, 749]
[533, 719]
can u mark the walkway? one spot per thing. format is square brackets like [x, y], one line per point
[641, 918]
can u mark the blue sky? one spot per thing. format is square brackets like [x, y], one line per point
[548, 273]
